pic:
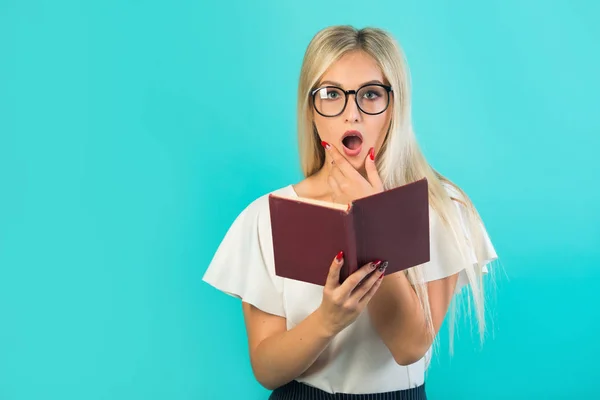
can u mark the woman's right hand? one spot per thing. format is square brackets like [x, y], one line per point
[343, 303]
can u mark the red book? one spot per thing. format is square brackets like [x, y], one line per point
[391, 226]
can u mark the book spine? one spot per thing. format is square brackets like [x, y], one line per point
[350, 252]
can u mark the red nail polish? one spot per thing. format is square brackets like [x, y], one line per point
[339, 255]
[372, 153]
[324, 144]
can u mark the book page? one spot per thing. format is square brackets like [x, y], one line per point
[321, 203]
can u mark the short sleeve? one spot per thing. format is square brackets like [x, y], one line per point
[481, 249]
[445, 256]
[241, 265]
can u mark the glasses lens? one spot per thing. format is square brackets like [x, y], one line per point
[372, 99]
[329, 101]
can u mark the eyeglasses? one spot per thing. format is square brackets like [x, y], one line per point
[331, 101]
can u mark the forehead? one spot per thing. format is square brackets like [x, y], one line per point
[352, 70]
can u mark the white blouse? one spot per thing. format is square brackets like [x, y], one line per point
[357, 360]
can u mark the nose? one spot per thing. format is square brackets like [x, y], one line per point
[352, 113]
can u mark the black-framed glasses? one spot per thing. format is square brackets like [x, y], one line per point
[371, 99]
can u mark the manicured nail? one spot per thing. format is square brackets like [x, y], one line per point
[383, 266]
[324, 144]
[375, 264]
[372, 153]
[339, 255]
[380, 277]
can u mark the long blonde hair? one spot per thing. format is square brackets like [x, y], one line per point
[400, 159]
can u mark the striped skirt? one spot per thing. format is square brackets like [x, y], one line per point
[299, 391]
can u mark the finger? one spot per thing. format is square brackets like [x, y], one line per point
[339, 177]
[338, 159]
[371, 292]
[368, 282]
[372, 173]
[352, 281]
[330, 163]
[365, 279]
[335, 188]
[333, 277]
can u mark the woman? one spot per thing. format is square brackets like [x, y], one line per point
[355, 139]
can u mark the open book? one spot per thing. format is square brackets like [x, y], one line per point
[390, 226]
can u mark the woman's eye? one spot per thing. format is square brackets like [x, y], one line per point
[371, 95]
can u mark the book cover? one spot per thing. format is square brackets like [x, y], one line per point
[391, 226]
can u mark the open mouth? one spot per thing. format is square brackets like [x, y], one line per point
[352, 142]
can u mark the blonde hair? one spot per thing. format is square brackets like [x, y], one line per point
[400, 159]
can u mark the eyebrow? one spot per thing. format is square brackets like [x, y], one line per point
[340, 85]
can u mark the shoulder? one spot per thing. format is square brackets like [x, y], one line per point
[258, 209]
[464, 209]
[480, 247]
[251, 227]
[242, 265]
[455, 192]
[459, 240]
[463, 205]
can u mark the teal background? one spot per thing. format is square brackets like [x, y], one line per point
[132, 134]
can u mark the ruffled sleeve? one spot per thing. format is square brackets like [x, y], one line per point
[445, 257]
[481, 250]
[242, 264]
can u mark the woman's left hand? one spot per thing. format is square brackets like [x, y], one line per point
[347, 184]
